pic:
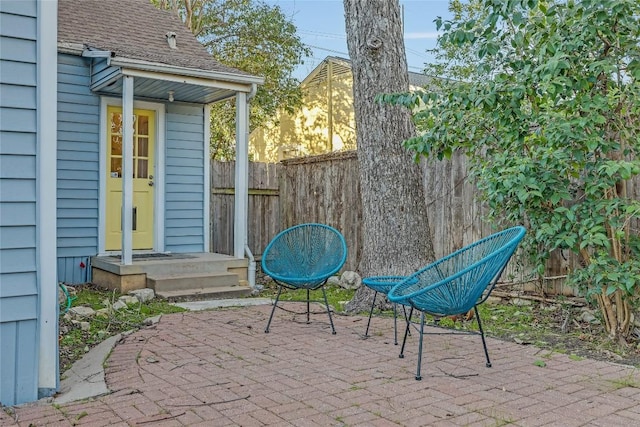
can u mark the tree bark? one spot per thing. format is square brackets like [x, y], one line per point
[396, 235]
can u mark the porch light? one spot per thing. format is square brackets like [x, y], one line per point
[171, 92]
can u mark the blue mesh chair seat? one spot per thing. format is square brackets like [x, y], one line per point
[382, 285]
[457, 283]
[304, 257]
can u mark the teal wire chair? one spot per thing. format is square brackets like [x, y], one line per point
[304, 257]
[457, 283]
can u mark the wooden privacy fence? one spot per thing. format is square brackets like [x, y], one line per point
[326, 189]
[264, 205]
[323, 189]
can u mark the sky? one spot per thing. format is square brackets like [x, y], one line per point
[321, 26]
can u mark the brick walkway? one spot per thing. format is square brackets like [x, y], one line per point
[219, 368]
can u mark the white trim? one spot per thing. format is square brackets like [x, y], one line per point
[127, 170]
[242, 178]
[159, 178]
[207, 178]
[102, 171]
[220, 76]
[46, 246]
[175, 78]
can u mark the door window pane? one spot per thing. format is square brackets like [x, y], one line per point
[143, 125]
[116, 167]
[116, 123]
[143, 147]
[116, 145]
[143, 171]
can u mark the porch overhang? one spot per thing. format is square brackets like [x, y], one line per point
[154, 81]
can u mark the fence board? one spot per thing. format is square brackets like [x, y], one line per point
[326, 189]
[263, 219]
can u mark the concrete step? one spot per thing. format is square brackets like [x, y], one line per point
[196, 294]
[184, 281]
[173, 264]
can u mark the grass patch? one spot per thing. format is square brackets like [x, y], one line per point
[628, 381]
[75, 341]
[336, 295]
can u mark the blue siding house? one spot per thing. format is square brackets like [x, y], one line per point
[28, 286]
[104, 165]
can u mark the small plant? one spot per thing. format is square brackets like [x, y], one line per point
[628, 381]
[540, 363]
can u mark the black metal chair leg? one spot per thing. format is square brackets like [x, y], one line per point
[326, 303]
[484, 343]
[395, 324]
[406, 331]
[366, 333]
[406, 319]
[308, 303]
[418, 376]
[266, 331]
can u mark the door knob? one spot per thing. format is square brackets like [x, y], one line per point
[150, 183]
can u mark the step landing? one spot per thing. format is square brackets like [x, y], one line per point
[177, 277]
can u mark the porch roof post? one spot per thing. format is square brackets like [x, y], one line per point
[242, 175]
[127, 170]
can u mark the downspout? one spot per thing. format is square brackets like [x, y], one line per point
[247, 250]
[252, 267]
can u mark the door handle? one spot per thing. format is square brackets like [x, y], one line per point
[150, 183]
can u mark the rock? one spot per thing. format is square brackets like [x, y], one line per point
[350, 280]
[588, 317]
[119, 305]
[103, 312]
[129, 299]
[520, 302]
[82, 311]
[85, 326]
[143, 295]
[62, 297]
[493, 301]
[149, 321]
[334, 280]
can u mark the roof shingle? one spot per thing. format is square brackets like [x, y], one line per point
[133, 29]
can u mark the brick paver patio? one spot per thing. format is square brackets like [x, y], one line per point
[219, 368]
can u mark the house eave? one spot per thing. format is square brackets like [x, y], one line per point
[155, 67]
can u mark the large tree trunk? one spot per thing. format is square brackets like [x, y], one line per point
[396, 229]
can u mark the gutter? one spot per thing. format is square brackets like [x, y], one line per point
[183, 71]
[252, 92]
